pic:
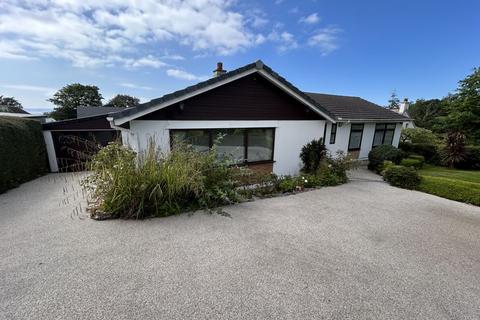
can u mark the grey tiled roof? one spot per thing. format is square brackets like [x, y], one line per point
[336, 107]
[354, 108]
[256, 65]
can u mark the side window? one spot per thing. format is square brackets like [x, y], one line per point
[333, 133]
[356, 133]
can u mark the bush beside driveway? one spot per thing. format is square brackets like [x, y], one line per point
[357, 251]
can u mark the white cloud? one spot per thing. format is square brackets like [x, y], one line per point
[326, 40]
[46, 91]
[184, 75]
[285, 40]
[310, 19]
[134, 86]
[92, 33]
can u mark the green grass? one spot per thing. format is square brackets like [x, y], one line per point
[453, 184]
[463, 175]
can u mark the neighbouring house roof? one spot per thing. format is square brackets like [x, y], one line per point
[91, 123]
[354, 108]
[332, 107]
[83, 112]
[12, 109]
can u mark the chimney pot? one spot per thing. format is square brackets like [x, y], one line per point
[219, 70]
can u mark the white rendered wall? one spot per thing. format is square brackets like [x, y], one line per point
[343, 136]
[290, 136]
[52, 157]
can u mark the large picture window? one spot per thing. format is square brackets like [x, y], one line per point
[356, 133]
[242, 145]
[383, 134]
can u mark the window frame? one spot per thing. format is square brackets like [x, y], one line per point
[245, 141]
[384, 133]
[350, 136]
[333, 133]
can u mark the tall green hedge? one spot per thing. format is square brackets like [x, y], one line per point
[23, 155]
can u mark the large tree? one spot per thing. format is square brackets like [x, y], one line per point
[393, 102]
[463, 108]
[72, 96]
[10, 102]
[123, 101]
[426, 112]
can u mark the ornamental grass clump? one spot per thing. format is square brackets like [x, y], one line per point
[154, 185]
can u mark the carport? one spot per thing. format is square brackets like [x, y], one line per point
[71, 142]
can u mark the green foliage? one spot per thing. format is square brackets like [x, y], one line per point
[472, 158]
[72, 96]
[454, 151]
[428, 151]
[463, 108]
[449, 173]
[10, 102]
[426, 112]
[418, 135]
[23, 156]
[414, 163]
[288, 184]
[312, 154]
[159, 185]
[393, 102]
[386, 164]
[403, 177]
[123, 101]
[379, 154]
[452, 189]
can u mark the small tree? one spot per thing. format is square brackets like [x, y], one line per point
[454, 151]
[393, 102]
[123, 101]
[10, 102]
[72, 96]
[312, 154]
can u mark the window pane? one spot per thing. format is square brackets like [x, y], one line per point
[355, 140]
[377, 139]
[379, 126]
[199, 139]
[231, 143]
[333, 133]
[388, 137]
[391, 126]
[357, 126]
[260, 144]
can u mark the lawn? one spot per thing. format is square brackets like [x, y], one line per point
[459, 185]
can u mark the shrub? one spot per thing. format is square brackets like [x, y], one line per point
[23, 155]
[428, 151]
[452, 189]
[454, 151]
[312, 154]
[417, 157]
[288, 184]
[403, 177]
[471, 160]
[409, 162]
[386, 164]
[418, 135]
[158, 185]
[379, 154]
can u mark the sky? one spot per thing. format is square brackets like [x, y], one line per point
[149, 48]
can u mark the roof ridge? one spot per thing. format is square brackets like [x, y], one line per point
[336, 95]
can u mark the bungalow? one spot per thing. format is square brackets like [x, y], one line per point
[265, 120]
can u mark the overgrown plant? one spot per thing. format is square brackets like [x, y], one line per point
[153, 184]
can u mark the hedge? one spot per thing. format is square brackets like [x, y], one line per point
[457, 190]
[23, 155]
[428, 151]
[402, 177]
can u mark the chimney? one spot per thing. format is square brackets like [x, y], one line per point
[219, 70]
[404, 106]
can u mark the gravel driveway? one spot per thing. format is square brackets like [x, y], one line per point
[363, 250]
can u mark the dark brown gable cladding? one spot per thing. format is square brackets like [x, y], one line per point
[249, 98]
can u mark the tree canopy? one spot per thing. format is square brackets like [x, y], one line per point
[123, 101]
[426, 112]
[10, 102]
[72, 96]
[393, 102]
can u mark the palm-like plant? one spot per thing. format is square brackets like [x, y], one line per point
[454, 151]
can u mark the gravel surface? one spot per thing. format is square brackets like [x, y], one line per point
[363, 250]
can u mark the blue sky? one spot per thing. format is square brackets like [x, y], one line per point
[363, 48]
